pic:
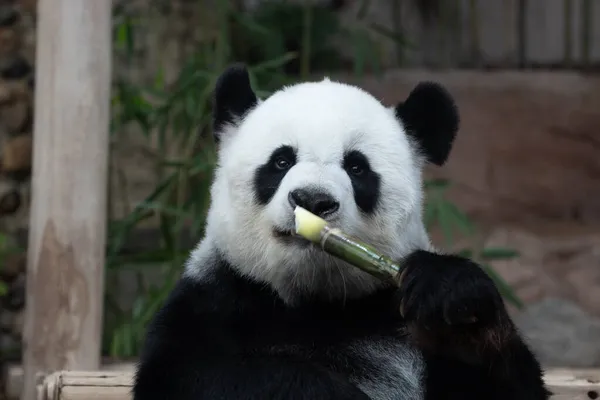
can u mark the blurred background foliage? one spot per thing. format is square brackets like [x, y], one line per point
[282, 43]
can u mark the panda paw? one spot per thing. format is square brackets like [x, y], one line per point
[451, 304]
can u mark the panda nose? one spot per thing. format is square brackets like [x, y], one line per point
[317, 202]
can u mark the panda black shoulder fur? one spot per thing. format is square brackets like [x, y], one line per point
[261, 314]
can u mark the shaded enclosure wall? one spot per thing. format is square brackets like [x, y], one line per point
[525, 165]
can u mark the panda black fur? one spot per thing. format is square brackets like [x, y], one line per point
[260, 314]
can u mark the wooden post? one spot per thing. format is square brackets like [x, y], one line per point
[65, 270]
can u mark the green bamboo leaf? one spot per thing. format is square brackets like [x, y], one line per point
[251, 24]
[121, 229]
[437, 184]
[121, 35]
[166, 232]
[174, 163]
[363, 9]
[503, 287]
[386, 32]
[377, 52]
[159, 81]
[467, 253]
[201, 168]
[127, 341]
[429, 215]
[129, 37]
[115, 347]
[359, 53]
[263, 93]
[158, 297]
[138, 307]
[445, 222]
[275, 63]
[165, 209]
[461, 220]
[161, 207]
[493, 253]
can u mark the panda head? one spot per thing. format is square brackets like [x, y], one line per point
[333, 149]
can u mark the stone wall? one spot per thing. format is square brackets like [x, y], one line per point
[17, 52]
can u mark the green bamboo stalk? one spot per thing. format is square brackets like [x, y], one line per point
[345, 247]
[358, 253]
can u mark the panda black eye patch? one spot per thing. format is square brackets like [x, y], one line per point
[269, 175]
[365, 181]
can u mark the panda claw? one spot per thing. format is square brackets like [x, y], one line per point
[450, 299]
[402, 313]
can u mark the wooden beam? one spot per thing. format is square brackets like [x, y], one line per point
[12, 376]
[65, 270]
[79, 385]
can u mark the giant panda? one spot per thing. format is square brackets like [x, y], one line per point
[260, 313]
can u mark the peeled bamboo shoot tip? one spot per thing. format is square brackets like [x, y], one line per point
[308, 225]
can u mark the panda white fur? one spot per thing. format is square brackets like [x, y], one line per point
[261, 314]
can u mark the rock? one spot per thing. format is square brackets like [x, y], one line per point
[10, 40]
[555, 260]
[523, 273]
[11, 91]
[8, 16]
[5, 93]
[10, 203]
[17, 153]
[15, 68]
[6, 320]
[13, 224]
[14, 264]
[575, 264]
[8, 343]
[561, 334]
[29, 6]
[18, 322]
[10, 347]
[17, 116]
[16, 294]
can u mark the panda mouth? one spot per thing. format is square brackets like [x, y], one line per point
[290, 237]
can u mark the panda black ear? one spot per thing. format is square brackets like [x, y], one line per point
[430, 116]
[233, 97]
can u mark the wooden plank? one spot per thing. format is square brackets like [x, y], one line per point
[551, 29]
[114, 385]
[13, 376]
[111, 393]
[65, 278]
[595, 33]
[574, 385]
[545, 32]
[498, 32]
